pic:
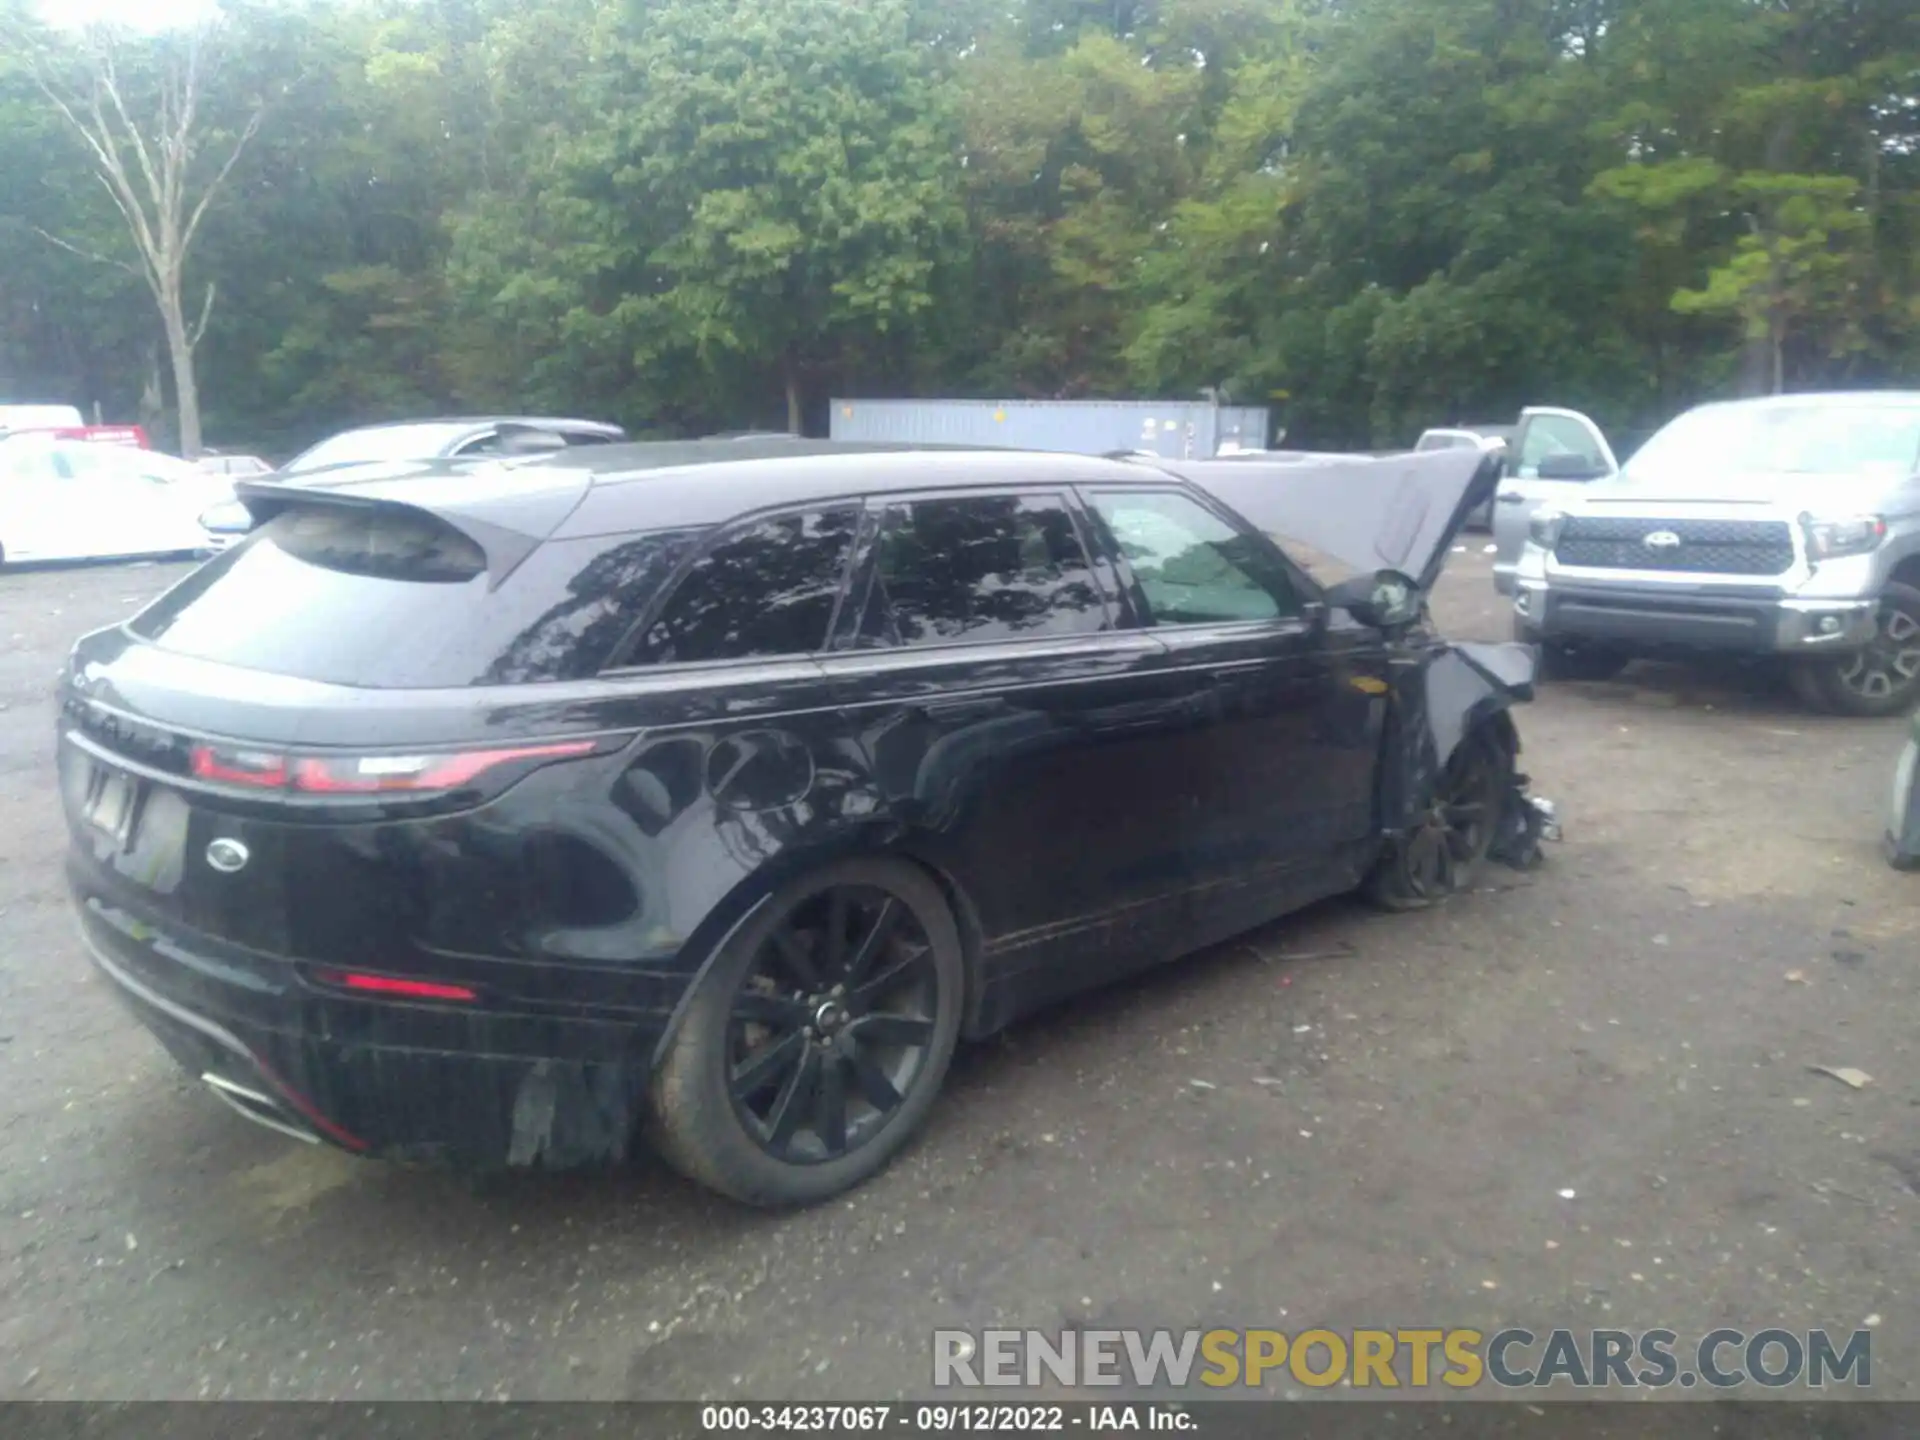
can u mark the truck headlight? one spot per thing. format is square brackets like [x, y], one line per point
[1845, 535]
[1544, 527]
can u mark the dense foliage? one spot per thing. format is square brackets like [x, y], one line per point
[697, 214]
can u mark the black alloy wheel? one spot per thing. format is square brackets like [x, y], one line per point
[816, 1043]
[1450, 837]
[1884, 677]
[832, 1024]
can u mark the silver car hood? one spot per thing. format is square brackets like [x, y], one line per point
[1393, 512]
[1795, 491]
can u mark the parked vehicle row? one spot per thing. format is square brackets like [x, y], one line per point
[715, 790]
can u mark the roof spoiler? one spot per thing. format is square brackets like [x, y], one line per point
[504, 547]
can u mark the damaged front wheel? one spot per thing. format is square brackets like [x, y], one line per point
[1450, 838]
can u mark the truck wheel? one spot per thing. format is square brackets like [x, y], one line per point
[817, 1040]
[1581, 660]
[1884, 678]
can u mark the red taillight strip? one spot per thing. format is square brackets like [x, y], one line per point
[435, 772]
[395, 986]
[263, 772]
[368, 774]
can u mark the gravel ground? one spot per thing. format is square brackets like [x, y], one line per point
[1348, 1120]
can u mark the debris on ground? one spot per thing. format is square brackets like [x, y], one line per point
[1796, 977]
[1846, 1075]
[1342, 951]
[1203, 1085]
[1523, 823]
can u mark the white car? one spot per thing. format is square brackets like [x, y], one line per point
[70, 500]
[236, 467]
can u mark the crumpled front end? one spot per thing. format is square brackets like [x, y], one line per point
[1447, 695]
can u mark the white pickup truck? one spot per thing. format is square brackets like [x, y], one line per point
[1786, 526]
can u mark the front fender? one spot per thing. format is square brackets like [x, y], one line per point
[1441, 695]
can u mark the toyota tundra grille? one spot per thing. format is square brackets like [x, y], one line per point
[1709, 547]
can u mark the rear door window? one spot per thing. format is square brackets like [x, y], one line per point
[1191, 566]
[768, 587]
[396, 599]
[979, 567]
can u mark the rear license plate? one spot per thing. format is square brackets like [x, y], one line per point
[111, 805]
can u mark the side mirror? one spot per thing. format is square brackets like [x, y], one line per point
[1384, 600]
[1570, 467]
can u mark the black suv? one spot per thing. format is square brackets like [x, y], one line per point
[714, 790]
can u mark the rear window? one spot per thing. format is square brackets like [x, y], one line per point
[393, 599]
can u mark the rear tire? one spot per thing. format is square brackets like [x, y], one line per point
[1444, 850]
[1884, 678]
[780, 1089]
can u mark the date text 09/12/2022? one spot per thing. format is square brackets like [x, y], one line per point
[945, 1419]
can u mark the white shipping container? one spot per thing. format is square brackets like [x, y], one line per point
[1173, 429]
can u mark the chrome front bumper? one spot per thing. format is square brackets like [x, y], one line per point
[1657, 618]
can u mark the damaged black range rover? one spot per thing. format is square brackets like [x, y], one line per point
[711, 793]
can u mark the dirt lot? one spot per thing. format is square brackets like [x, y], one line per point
[1633, 1024]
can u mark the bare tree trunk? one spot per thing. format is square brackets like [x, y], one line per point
[153, 402]
[186, 389]
[791, 371]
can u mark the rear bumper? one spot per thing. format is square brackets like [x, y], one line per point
[1653, 619]
[401, 1080]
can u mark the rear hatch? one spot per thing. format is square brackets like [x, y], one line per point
[358, 664]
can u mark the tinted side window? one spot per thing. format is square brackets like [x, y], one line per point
[980, 567]
[1192, 567]
[767, 588]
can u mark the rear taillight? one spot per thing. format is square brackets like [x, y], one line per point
[426, 774]
[240, 767]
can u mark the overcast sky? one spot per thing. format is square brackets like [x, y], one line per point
[146, 14]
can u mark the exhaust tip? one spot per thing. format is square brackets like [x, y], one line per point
[259, 1108]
